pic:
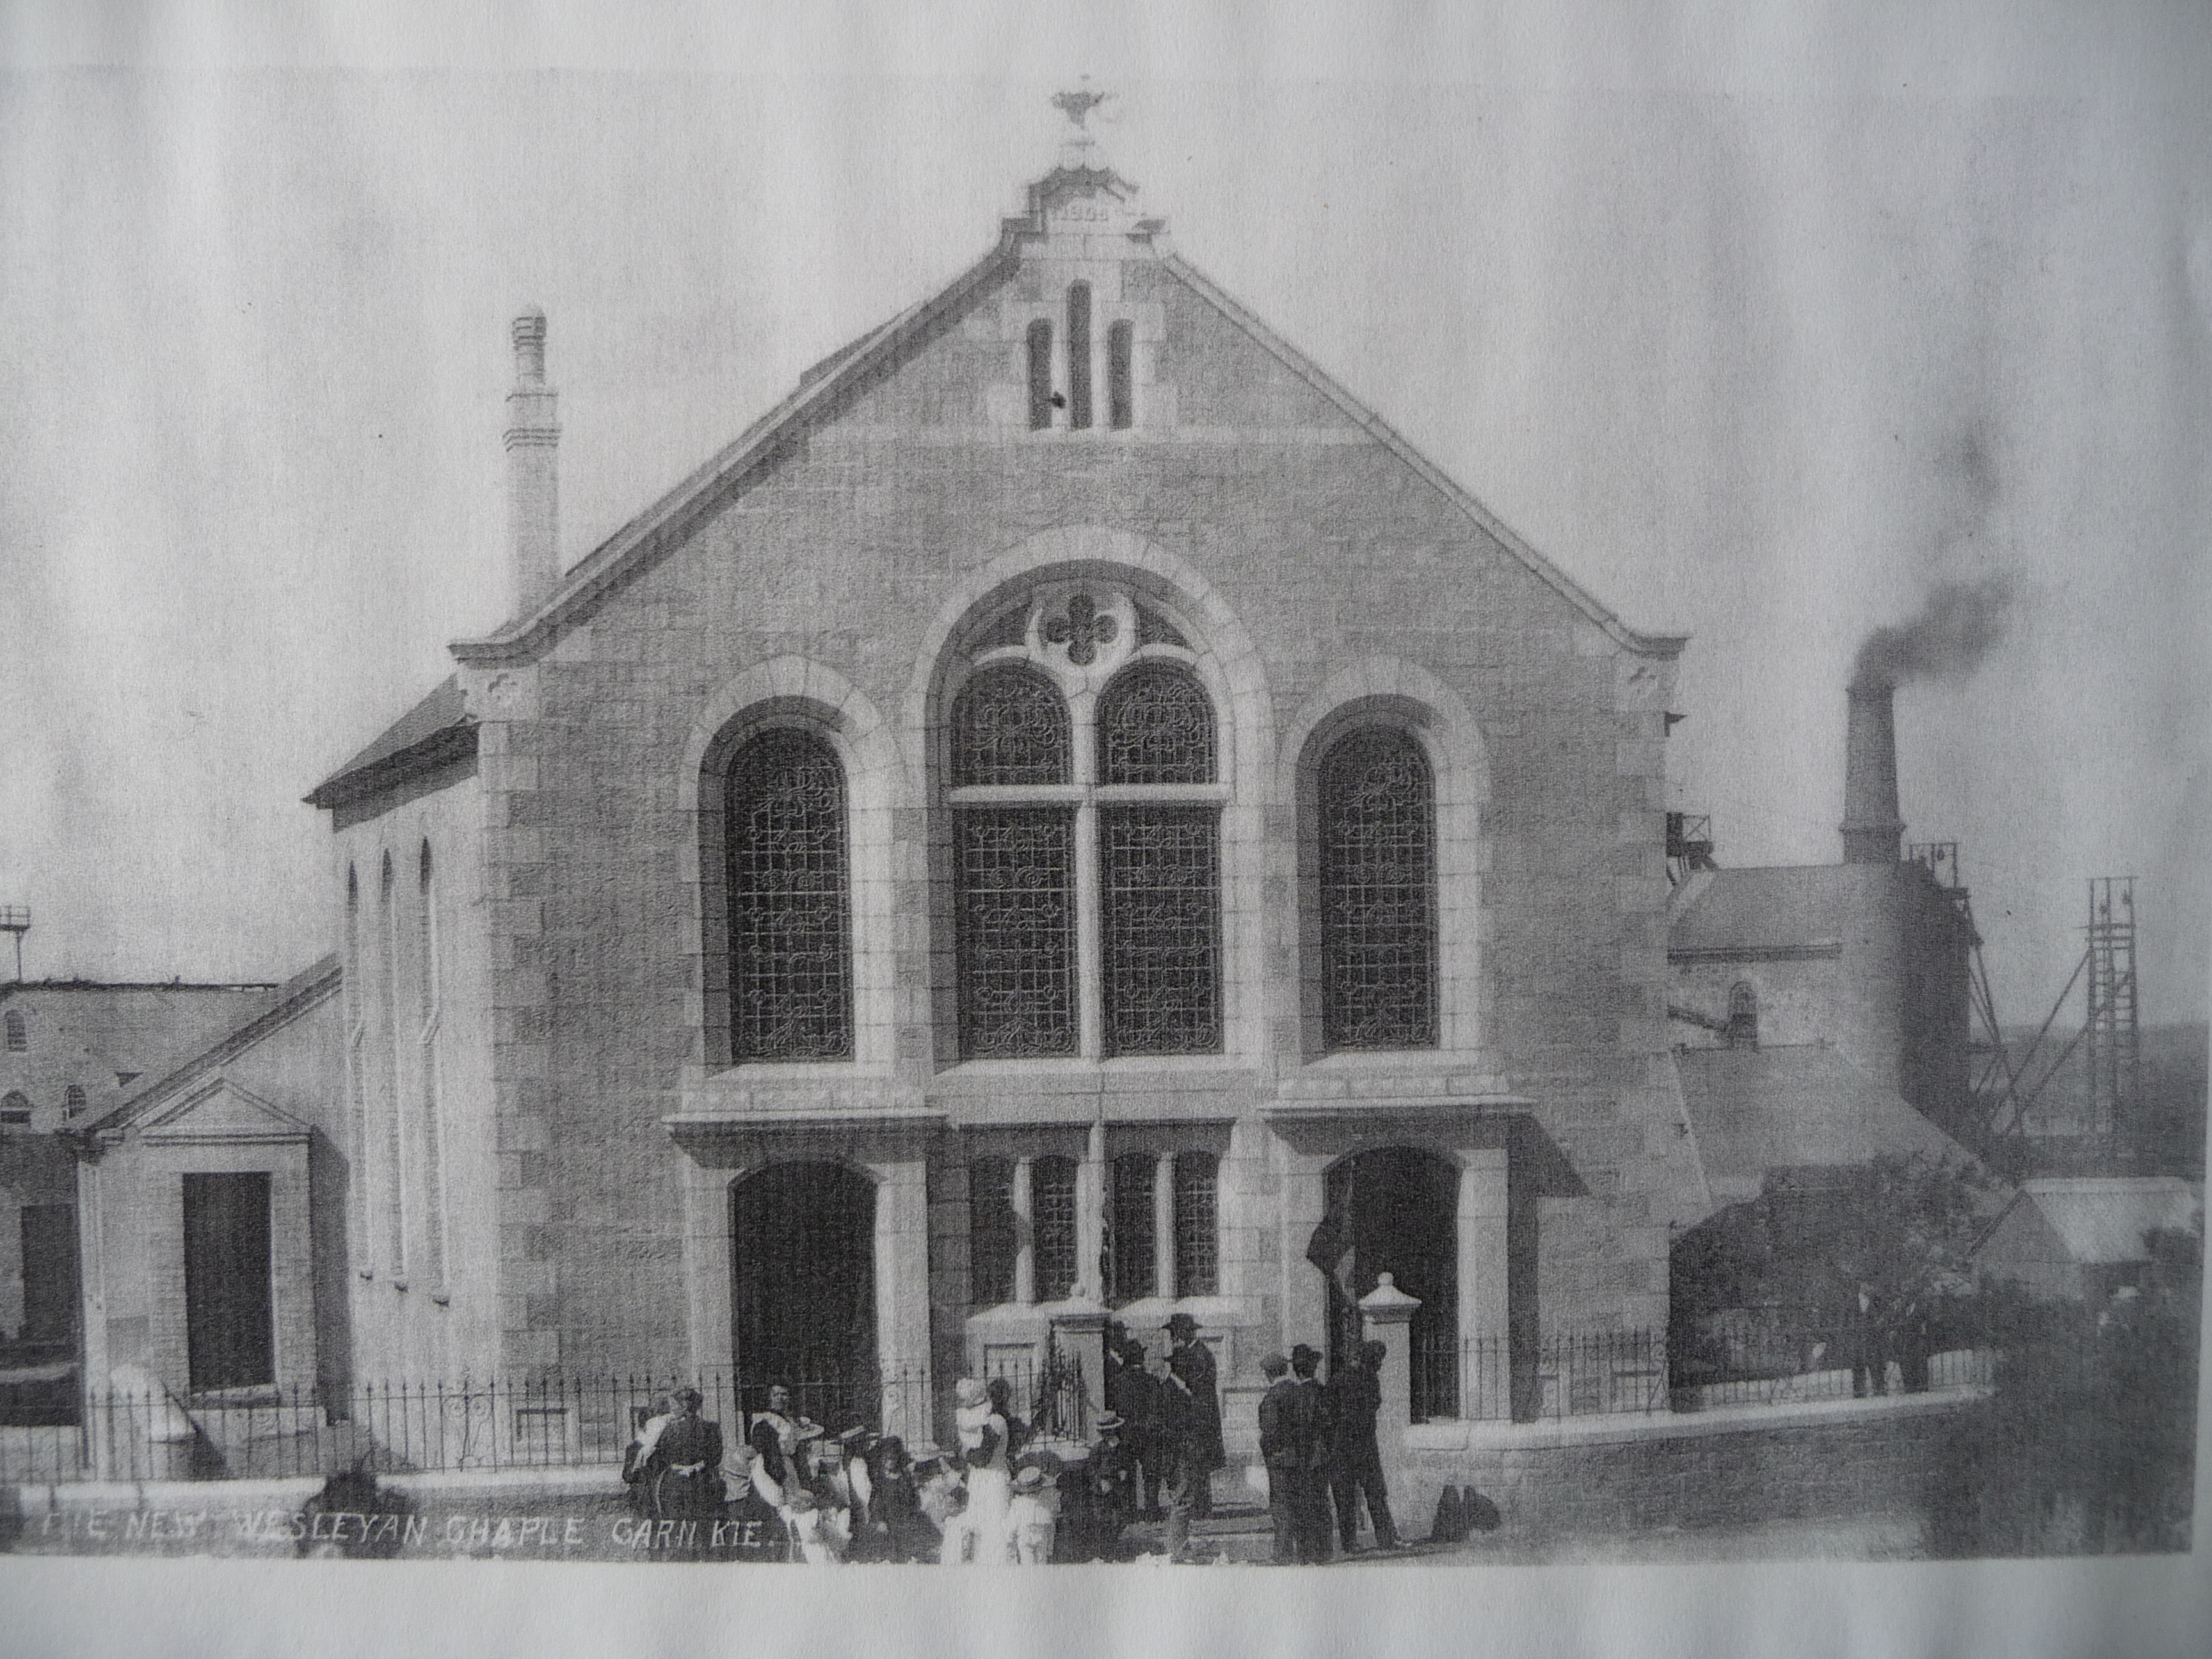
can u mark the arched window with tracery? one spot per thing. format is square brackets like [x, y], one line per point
[1377, 891]
[1100, 846]
[791, 979]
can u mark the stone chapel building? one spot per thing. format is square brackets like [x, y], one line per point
[1068, 808]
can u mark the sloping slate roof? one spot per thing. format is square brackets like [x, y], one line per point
[1757, 1110]
[269, 1011]
[820, 394]
[443, 711]
[1793, 907]
[2101, 1218]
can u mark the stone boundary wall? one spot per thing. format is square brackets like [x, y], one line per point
[1619, 1476]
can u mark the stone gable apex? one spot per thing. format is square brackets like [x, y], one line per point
[222, 1111]
[1076, 215]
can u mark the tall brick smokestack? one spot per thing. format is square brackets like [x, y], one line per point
[1872, 829]
[533, 439]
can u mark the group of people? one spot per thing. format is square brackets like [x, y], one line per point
[800, 1493]
[1317, 1440]
[797, 1492]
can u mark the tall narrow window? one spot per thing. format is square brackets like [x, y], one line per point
[19, 1039]
[1160, 879]
[1132, 1250]
[1197, 1246]
[1040, 350]
[791, 991]
[1078, 355]
[1378, 892]
[395, 1150]
[429, 992]
[1052, 1202]
[73, 1099]
[356, 1085]
[992, 1237]
[1121, 401]
[1015, 870]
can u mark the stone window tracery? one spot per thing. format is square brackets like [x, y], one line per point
[1083, 779]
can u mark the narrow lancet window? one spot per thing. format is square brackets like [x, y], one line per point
[1120, 400]
[1040, 345]
[1078, 355]
[790, 988]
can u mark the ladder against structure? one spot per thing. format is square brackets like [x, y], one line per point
[16, 919]
[2112, 1038]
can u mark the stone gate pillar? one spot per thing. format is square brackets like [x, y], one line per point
[1386, 1315]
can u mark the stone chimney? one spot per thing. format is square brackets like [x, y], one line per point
[533, 438]
[1871, 826]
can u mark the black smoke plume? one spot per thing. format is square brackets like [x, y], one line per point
[1955, 629]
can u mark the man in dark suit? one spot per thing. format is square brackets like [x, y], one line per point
[1355, 1395]
[1191, 1412]
[1284, 1429]
[1312, 1487]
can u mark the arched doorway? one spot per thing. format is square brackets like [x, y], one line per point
[1395, 1210]
[803, 1289]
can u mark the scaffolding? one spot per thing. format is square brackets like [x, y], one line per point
[2113, 1039]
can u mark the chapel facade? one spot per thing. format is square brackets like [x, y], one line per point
[1067, 811]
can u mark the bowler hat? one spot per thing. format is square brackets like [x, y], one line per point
[1274, 1364]
[1181, 1322]
[1108, 1422]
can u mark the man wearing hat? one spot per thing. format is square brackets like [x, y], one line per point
[1283, 1431]
[1311, 1487]
[1355, 1396]
[1191, 1419]
[683, 1470]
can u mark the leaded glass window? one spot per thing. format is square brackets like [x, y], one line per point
[1131, 1253]
[791, 994]
[1141, 903]
[1052, 1221]
[1197, 1247]
[1156, 725]
[1160, 891]
[1010, 726]
[993, 1236]
[1017, 933]
[1378, 892]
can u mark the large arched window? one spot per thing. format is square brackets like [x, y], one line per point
[1075, 847]
[791, 982]
[1378, 892]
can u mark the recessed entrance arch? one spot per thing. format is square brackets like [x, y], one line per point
[1395, 1210]
[803, 1289]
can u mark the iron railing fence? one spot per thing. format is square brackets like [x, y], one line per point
[415, 1426]
[1751, 1360]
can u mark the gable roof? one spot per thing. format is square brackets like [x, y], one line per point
[440, 727]
[1785, 911]
[824, 388]
[274, 1010]
[1794, 1107]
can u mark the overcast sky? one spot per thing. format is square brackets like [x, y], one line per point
[1757, 336]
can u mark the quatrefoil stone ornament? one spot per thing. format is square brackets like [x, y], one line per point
[1082, 630]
